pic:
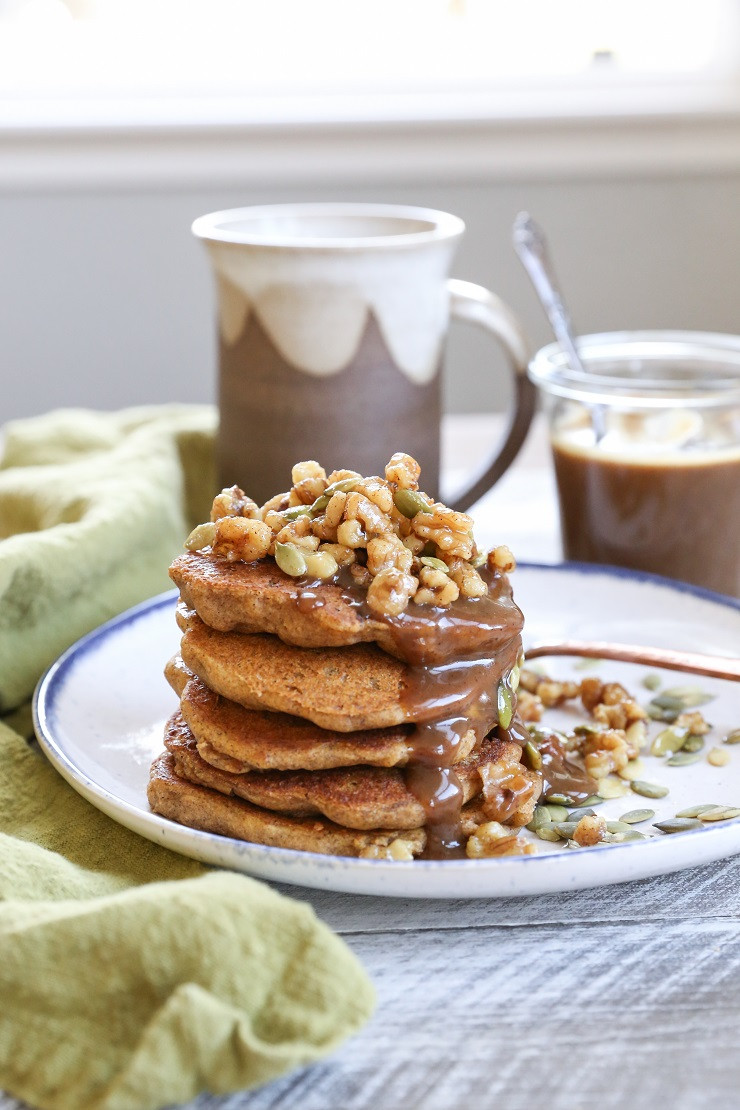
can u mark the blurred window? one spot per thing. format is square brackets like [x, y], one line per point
[204, 60]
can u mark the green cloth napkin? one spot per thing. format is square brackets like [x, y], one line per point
[130, 977]
[93, 507]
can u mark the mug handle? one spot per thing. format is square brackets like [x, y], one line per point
[477, 305]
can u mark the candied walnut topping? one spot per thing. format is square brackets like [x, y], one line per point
[399, 544]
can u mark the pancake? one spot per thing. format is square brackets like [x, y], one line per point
[259, 597]
[342, 689]
[200, 808]
[237, 739]
[357, 797]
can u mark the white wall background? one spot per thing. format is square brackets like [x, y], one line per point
[106, 300]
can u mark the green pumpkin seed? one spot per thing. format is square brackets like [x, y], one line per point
[648, 789]
[409, 502]
[547, 832]
[565, 828]
[531, 756]
[577, 814]
[505, 705]
[618, 827]
[689, 696]
[637, 816]
[559, 800]
[721, 814]
[696, 811]
[633, 834]
[683, 759]
[655, 713]
[202, 536]
[591, 800]
[319, 504]
[557, 813]
[431, 561]
[479, 560]
[295, 512]
[344, 485]
[612, 787]
[666, 700]
[651, 681]
[586, 730]
[669, 740]
[732, 737]
[693, 743]
[677, 824]
[290, 559]
[320, 564]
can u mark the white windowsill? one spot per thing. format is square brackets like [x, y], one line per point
[654, 129]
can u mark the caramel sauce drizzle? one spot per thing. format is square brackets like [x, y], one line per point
[455, 658]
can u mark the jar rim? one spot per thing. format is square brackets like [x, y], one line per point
[653, 368]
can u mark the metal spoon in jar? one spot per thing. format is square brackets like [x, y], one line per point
[531, 247]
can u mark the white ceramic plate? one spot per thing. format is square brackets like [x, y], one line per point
[100, 710]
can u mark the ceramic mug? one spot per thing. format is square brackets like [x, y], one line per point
[332, 323]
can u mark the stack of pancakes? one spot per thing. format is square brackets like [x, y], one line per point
[294, 730]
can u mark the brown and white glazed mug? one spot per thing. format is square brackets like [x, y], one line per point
[332, 323]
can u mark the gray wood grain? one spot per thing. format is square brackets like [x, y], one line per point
[622, 996]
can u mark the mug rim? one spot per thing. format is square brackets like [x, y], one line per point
[550, 369]
[213, 226]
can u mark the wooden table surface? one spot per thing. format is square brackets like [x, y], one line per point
[608, 999]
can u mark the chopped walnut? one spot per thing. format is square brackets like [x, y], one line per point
[694, 721]
[398, 849]
[393, 537]
[589, 831]
[403, 470]
[239, 538]
[494, 839]
[529, 706]
[233, 502]
[606, 751]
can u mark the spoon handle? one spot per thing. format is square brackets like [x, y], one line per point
[716, 666]
[531, 246]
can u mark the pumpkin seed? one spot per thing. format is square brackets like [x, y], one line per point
[565, 828]
[677, 824]
[542, 816]
[437, 564]
[637, 816]
[320, 564]
[648, 789]
[683, 759]
[632, 770]
[720, 814]
[549, 833]
[633, 834]
[531, 756]
[612, 787]
[557, 813]
[591, 800]
[651, 681]
[343, 485]
[201, 536]
[409, 502]
[718, 757]
[689, 696]
[295, 512]
[505, 700]
[479, 559]
[320, 504]
[656, 713]
[669, 740]
[559, 800]
[290, 559]
[732, 737]
[667, 700]
[694, 743]
[618, 827]
[586, 730]
[696, 811]
[577, 814]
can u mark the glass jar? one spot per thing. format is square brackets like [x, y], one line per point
[646, 449]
